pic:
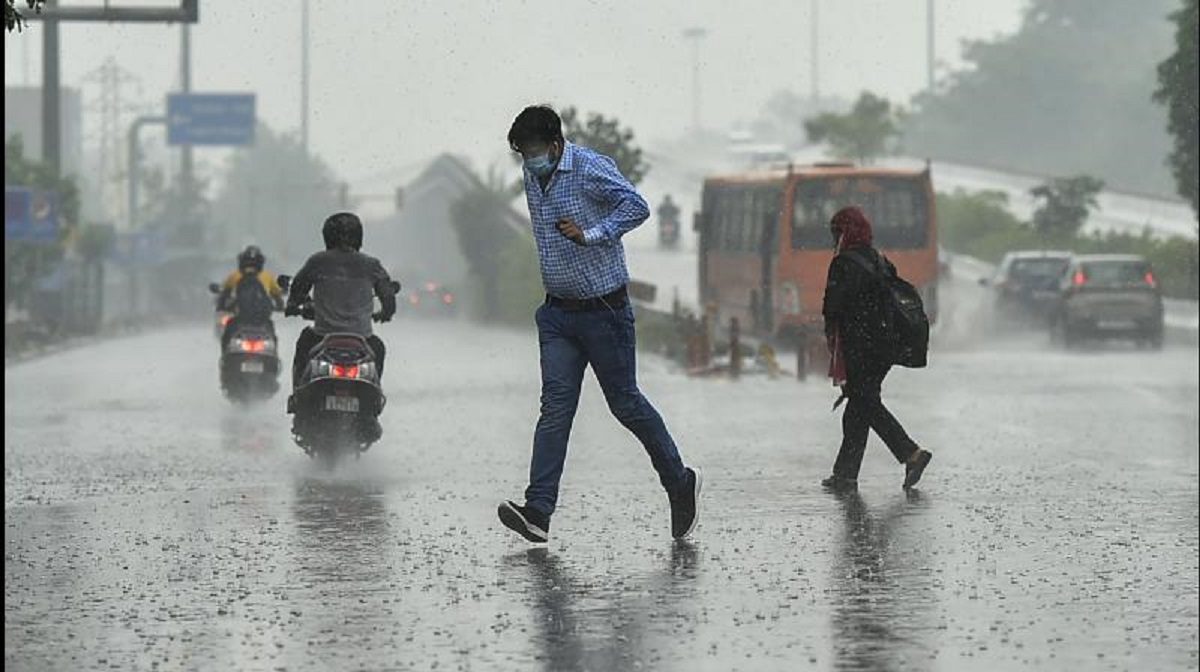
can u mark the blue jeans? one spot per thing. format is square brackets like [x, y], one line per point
[569, 342]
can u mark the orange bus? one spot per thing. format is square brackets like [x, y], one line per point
[765, 245]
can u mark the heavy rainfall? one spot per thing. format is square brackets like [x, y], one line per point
[870, 328]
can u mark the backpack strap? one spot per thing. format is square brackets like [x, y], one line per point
[875, 269]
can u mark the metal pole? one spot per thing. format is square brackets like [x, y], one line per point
[814, 54]
[135, 164]
[304, 77]
[25, 62]
[802, 355]
[929, 46]
[185, 85]
[695, 34]
[51, 105]
[188, 11]
[735, 348]
[696, 85]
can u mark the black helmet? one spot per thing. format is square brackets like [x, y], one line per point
[343, 230]
[251, 257]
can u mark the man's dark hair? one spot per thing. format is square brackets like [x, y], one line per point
[536, 124]
[343, 230]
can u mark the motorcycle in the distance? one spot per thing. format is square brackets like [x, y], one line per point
[249, 363]
[337, 395]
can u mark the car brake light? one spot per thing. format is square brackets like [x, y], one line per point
[1150, 279]
[1079, 279]
[340, 371]
[448, 299]
[254, 346]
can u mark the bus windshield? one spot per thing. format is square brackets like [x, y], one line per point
[896, 206]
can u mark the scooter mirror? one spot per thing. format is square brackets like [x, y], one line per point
[214, 288]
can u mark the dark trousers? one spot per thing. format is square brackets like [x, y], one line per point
[865, 411]
[570, 341]
[309, 339]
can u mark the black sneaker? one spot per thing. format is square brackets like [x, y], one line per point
[840, 483]
[525, 521]
[914, 468]
[684, 514]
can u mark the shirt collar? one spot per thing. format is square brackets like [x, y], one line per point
[567, 162]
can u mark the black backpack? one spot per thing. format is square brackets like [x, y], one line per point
[904, 318]
[251, 301]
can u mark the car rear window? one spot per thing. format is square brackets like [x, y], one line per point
[1038, 268]
[1116, 273]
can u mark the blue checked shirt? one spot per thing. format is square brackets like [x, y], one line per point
[587, 188]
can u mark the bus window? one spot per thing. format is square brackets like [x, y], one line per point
[814, 207]
[750, 225]
[736, 216]
[718, 218]
[731, 221]
[896, 207]
[766, 208]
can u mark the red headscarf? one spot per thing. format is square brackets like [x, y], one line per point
[852, 228]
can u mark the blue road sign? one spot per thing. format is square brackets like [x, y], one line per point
[210, 119]
[30, 215]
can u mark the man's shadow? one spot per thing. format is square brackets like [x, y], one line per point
[583, 626]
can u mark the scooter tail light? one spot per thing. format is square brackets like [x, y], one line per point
[340, 371]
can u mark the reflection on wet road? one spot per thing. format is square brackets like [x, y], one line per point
[150, 525]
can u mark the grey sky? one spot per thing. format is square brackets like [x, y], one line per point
[395, 82]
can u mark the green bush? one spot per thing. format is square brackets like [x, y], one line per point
[1174, 259]
[979, 224]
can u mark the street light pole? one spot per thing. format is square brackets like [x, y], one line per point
[814, 54]
[929, 45]
[51, 103]
[186, 167]
[695, 35]
[304, 76]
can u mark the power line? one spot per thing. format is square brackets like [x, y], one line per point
[111, 106]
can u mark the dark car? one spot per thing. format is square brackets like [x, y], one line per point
[1026, 285]
[1107, 296]
[430, 298]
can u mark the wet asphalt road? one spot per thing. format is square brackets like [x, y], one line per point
[151, 525]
